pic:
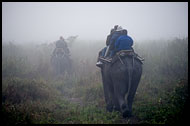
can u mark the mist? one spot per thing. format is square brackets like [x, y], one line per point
[45, 22]
[41, 87]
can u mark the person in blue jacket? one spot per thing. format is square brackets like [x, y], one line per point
[119, 41]
[105, 49]
[123, 42]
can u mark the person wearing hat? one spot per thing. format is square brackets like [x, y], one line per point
[104, 51]
[61, 47]
[116, 33]
[123, 42]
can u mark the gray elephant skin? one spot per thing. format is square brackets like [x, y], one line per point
[120, 82]
[61, 64]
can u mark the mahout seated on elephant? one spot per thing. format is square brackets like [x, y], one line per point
[60, 58]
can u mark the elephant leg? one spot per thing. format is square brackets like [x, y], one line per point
[131, 95]
[116, 104]
[120, 92]
[59, 67]
[122, 81]
[120, 89]
[69, 67]
[108, 91]
[135, 81]
[63, 66]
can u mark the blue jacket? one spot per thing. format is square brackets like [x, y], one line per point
[113, 38]
[103, 51]
[124, 42]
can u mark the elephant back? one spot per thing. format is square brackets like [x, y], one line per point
[126, 53]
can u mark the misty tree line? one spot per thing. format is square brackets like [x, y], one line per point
[31, 92]
[162, 58]
[165, 58]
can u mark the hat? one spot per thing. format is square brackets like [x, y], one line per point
[61, 37]
[119, 28]
[115, 27]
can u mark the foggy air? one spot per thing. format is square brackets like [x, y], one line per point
[45, 22]
[95, 63]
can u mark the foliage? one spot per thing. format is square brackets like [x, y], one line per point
[167, 109]
[32, 94]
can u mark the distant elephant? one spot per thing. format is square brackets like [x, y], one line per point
[61, 63]
[120, 81]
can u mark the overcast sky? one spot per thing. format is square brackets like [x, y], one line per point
[41, 22]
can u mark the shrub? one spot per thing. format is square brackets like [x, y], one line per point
[16, 90]
[169, 108]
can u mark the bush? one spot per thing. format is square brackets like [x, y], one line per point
[16, 90]
[31, 94]
[169, 108]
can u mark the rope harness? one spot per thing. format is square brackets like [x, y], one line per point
[121, 54]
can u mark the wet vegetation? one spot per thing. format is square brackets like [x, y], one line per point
[31, 93]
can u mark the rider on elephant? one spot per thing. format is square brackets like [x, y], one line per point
[119, 41]
[122, 42]
[60, 58]
[110, 35]
[116, 41]
[61, 47]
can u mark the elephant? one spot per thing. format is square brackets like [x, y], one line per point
[61, 64]
[120, 79]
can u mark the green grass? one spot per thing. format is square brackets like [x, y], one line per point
[167, 108]
[31, 95]
[29, 101]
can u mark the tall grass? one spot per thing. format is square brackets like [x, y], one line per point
[32, 94]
